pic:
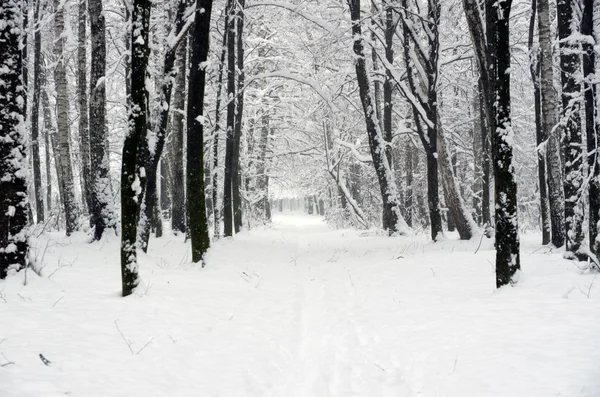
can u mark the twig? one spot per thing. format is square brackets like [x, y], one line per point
[480, 240]
[8, 362]
[58, 301]
[123, 336]
[139, 351]
[349, 276]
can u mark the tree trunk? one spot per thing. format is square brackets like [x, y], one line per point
[199, 45]
[35, 112]
[477, 186]
[132, 174]
[13, 160]
[84, 134]
[239, 114]
[534, 69]
[62, 118]
[549, 127]
[591, 122]
[261, 167]
[165, 196]
[178, 215]
[571, 106]
[507, 227]
[100, 188]
[229, 146]
[387, 184]
[215, 170]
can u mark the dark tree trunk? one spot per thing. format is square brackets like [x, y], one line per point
[178, 214]
[82, 96]
[550, 133]
[388, 82]
[591, 125]
[132, 179]
[229, 146]
[100, 187]
[410, 175]
[151, 215]
[534, 69]
[35, 112]
[571, 105]
[199, 42]
[507, 228]
[239, 114]
[13, 155]
[215, 170]
[387, 184]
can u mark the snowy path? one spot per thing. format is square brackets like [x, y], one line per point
[299, 309]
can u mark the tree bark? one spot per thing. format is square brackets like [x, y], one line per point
[100, 187]
[199, 45]
[132, 173]
[35, 112]
[178, 215]
[591, 122]
[62, 117]
[534, 69]
[82, 96]
[551, 134]
[507, 227]
[571, 106]
[229, 146]
[215, 170]
[239, 114]
[13, 154]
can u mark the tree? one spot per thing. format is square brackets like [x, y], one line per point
[505, 186]
[62, 117]
[534, 67]
[236, 174]
[387, 185]
[133, 175]
[100, 187]
[570, 67]
[199, 45]
[229, 143]
[550, 131]
[13, 155]
[592, 122]
[35, 111]
[178, 215]
[82, 96]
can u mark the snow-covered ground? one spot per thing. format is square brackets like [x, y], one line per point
[298, 309]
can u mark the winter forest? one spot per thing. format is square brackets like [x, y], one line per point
[299, 198]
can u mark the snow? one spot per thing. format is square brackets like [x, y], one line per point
[298, 309]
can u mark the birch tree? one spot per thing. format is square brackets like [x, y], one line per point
[62, 118]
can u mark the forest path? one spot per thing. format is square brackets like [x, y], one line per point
[301, 310]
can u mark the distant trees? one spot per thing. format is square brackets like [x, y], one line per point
[13, 155]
